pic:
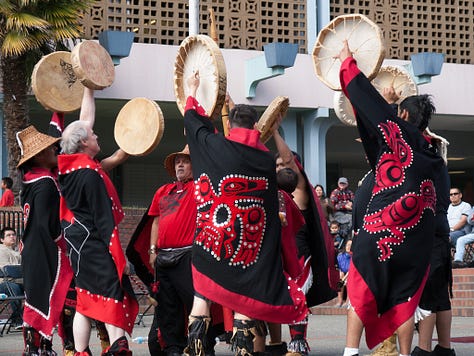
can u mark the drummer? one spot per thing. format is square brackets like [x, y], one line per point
[384, 286]
[90, 213]
[237, 240]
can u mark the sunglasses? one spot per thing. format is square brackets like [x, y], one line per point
[451, 194]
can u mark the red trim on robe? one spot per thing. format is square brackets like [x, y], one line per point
[45, 324]
[289, 251]
[87, 303]
[193, 104]
[333, 273]
[348, 71]
[248, 137]
[285, 314]
[57, 120]
[378, 327]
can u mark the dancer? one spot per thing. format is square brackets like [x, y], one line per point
[90, 214]
[238, 230]
[46, 270]
[385, 284]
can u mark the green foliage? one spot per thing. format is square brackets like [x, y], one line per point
[30, 25]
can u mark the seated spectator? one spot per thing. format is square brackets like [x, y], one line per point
[9, 256]
[343, 261]
[335, 233]
[461, 244]
[457, 215]
[325, 203]
[8, 199]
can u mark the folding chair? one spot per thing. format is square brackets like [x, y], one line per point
[469, 255]
[141, 292]
[12, 306]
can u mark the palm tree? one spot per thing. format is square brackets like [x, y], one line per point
[28, 30]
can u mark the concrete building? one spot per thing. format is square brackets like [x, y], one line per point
[328, 146]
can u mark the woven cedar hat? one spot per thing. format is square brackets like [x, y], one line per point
[169, 160]
[32, 142]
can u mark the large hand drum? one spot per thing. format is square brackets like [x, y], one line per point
[388, 76]
[93, 65]
[365, 41]
[139, 126]
[55, 84]
[398, 78]
[201, 53]
[278, 106]
[343, 109]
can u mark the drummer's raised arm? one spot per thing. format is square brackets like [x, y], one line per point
[113, 161]
[88, 107]
[345, 52]
[193, 84]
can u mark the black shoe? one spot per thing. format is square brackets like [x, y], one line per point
[277, 349]
[442, 351]
[173, 351]
[419, 352]
[459, 264]
[118, 348]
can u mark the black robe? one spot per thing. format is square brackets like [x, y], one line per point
[388, 270]
[236, 252]
[90, 214]
[46, 270]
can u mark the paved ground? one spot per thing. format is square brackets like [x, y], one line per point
[326, 338]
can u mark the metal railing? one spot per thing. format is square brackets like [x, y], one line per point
[12, 217]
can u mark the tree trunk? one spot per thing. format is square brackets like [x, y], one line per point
[15, 110]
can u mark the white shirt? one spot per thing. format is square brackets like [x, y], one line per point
[9, 256]
[456, 211]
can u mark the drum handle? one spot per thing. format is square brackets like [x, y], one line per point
[213, 35]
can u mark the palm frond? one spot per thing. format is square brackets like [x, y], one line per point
[25, 22]
[16, 43]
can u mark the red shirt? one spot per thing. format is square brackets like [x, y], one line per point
[174, 204]
[8, 199]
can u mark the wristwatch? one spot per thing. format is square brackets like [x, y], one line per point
[152, 250]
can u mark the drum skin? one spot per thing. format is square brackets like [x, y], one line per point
[55, 84]
[139, 127]
[93, 65]
[365, 41]
[388, 76]
[279, 105]
[201, 53]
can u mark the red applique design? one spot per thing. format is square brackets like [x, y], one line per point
[390, 171]
[403, 214]
[231, 223]
[26, 214]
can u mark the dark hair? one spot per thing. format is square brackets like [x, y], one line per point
[334, 222]
[287, 180]
[8, 182]
[5, 229]
[419, 108]
[322, 188]
[243, 115]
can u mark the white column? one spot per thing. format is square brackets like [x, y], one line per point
[315, 128]
[193, 17]
[317, 16]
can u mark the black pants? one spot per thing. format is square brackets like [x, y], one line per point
[175, 300]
